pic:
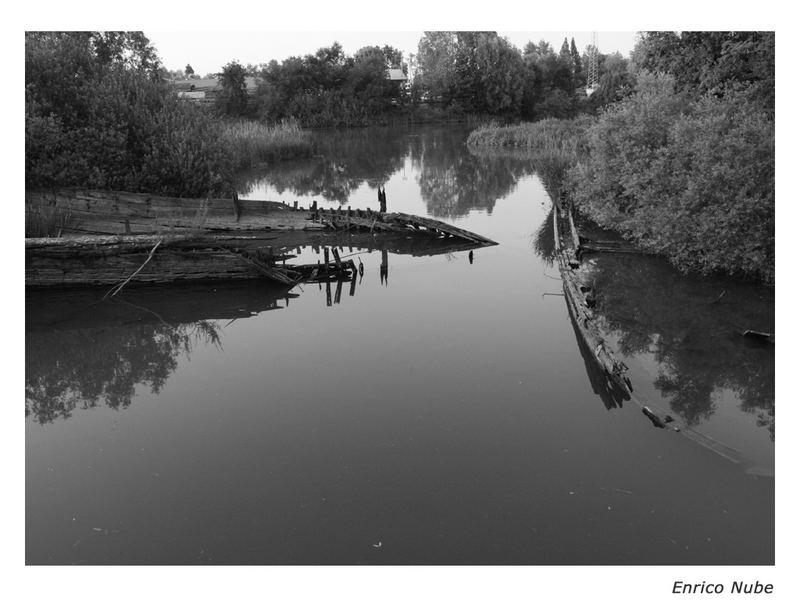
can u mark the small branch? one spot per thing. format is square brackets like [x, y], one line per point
[116, 289]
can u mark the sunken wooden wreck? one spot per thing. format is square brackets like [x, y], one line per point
[114, 238]
[607, 372]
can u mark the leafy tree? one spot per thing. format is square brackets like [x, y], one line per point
[472, 71]
[616, 81]
[703, 61]
[550, 86]
[232, 99]
[565, 54]
[436, 57]
[188, 70]
[577, 65]
[131, 49]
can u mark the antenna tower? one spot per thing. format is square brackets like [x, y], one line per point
[592, 78]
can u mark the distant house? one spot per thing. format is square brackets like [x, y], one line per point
[205, 90]
[396, 75]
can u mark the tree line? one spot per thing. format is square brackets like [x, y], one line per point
[454, 73]
[100, 111]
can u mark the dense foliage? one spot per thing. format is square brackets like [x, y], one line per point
[456, 74]
[682, 158]
[712, 61]
[96, 115]
[481, 72]
[329, 88]
[691, 179]
[232, 99]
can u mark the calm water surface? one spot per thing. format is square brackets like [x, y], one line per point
[444, 414]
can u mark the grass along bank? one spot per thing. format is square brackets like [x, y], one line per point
[252, 142]
[554, 145]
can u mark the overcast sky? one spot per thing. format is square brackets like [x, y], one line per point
[208, 51]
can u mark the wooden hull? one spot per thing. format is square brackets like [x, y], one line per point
[107, 237]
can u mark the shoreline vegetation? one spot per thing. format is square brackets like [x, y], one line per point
[252, 142]
[684, 167]
[674, 149]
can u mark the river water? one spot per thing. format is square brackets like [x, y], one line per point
[442, 411]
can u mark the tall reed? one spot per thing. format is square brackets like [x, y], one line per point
[554, 145]
[250, 142]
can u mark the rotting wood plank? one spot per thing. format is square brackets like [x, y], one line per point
[125, 212]
[435, 225]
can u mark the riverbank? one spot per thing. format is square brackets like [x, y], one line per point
[693, 182]
[252, 142]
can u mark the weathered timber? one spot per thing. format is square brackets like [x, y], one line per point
[97, 212]
[608, 247]
[439, 227]
[109, 259]
[201, 239]
[577, 294]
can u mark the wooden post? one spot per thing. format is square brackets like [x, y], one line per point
[314, 206]
[236, 206]
[326, 259]
[328, 293]
[295, 204]
[336, 258]
[384, 267]
[338, 297]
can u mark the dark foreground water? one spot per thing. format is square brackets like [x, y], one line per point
[443, 414]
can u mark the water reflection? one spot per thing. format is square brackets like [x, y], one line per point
[81, 352]
[343, 161]
[84, 368]
[544, 241]
[384, 268]
[451, 182]
[694, 336]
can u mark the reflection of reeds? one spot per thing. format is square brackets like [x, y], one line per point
[553, 145]
[45, 221]
[544, 242]
[251, 143]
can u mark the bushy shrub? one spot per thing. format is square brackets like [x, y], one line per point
[690, 179]
[101, 120]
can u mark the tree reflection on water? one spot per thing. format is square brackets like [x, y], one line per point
[342, 162]
[82, 351]
[693, 334]
[84, 368]
[451, 180]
